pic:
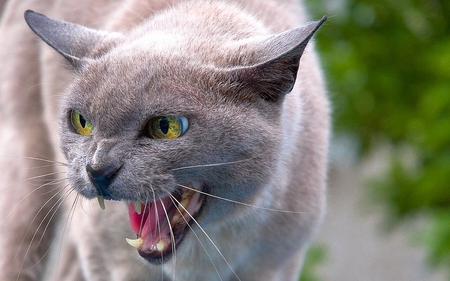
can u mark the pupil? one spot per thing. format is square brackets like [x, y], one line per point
[164, 125]
[82, 121]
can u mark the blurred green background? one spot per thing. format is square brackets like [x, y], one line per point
[387, 65]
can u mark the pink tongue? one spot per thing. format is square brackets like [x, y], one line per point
[152, 218]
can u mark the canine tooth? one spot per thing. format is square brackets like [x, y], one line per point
[137, 207]
[185, 202]
[175, 218]
[161, 245]
[101, 202]
[136, 243]
[186, 193]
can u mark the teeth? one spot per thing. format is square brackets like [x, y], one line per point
[187, 193]
[185, 202]
[161, 245]
[175, 218]
[136, 243]
[137, 207]
[101, 202]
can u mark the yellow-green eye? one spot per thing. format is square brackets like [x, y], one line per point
[167, 127]
[80, 124]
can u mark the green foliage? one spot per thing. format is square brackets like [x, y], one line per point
[387, 64]
[437, 238]
[315, 256]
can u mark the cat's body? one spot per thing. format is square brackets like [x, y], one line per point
[255, 141]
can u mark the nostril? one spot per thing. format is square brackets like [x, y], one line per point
[102, 177]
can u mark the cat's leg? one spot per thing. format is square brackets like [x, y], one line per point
[26, 195]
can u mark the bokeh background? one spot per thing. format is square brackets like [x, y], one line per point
[387, 65]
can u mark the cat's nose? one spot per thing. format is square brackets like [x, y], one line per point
[103, 177]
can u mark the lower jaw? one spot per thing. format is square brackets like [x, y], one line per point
[165, 256]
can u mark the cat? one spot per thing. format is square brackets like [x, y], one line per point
[196, 131]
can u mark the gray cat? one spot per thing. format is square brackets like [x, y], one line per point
[203, 124]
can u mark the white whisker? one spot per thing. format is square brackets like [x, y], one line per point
[37, 159]
[212, 242]
[65, 226]
[159, 229]
[239, 202]
[29, 194]
[172, 236]
[57, 203]
[214, 164]
[176, 202]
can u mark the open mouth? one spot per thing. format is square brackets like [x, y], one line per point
[161, 225]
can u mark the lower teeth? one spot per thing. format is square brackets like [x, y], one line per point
[175, 218]
[161, 245]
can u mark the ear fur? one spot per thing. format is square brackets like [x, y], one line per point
[74, 42]
[276, 76]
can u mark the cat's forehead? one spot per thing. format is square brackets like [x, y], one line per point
[126, 91]
[139, 77]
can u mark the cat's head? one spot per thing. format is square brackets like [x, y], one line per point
[160, 118]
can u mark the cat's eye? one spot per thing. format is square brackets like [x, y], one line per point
[81, 125]
[167, 127]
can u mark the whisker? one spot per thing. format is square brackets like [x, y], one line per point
[215, 164]
[51, 165]
[176, 202]
[37, 159]
[54, 182]
[72, 208]
[34, 86]
[44, 159]
[212, 242]
[68, 220]
[172, 236]
[64, 227]
[159, 229]
[29, 194]
[143, 210]
[158, 225]
[239, 202]
[39, 226]
[45, 175]
[57, 205]
[42, 177]
[59, 202]
[43, 219]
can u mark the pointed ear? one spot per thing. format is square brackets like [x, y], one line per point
[275, 76]
[74, 42]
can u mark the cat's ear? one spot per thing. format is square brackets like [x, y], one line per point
[74, 42]
[276, 74]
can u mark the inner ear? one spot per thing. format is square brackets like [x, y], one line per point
[275, 76]
[74, 42]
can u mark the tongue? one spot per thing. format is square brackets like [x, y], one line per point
[153, 217]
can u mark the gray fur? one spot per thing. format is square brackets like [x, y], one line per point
[240, 71]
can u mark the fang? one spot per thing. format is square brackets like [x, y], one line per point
[136, 243]
[137, 207]
[101, 202]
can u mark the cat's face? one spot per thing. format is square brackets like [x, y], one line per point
[170, 129]
[127, 102]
